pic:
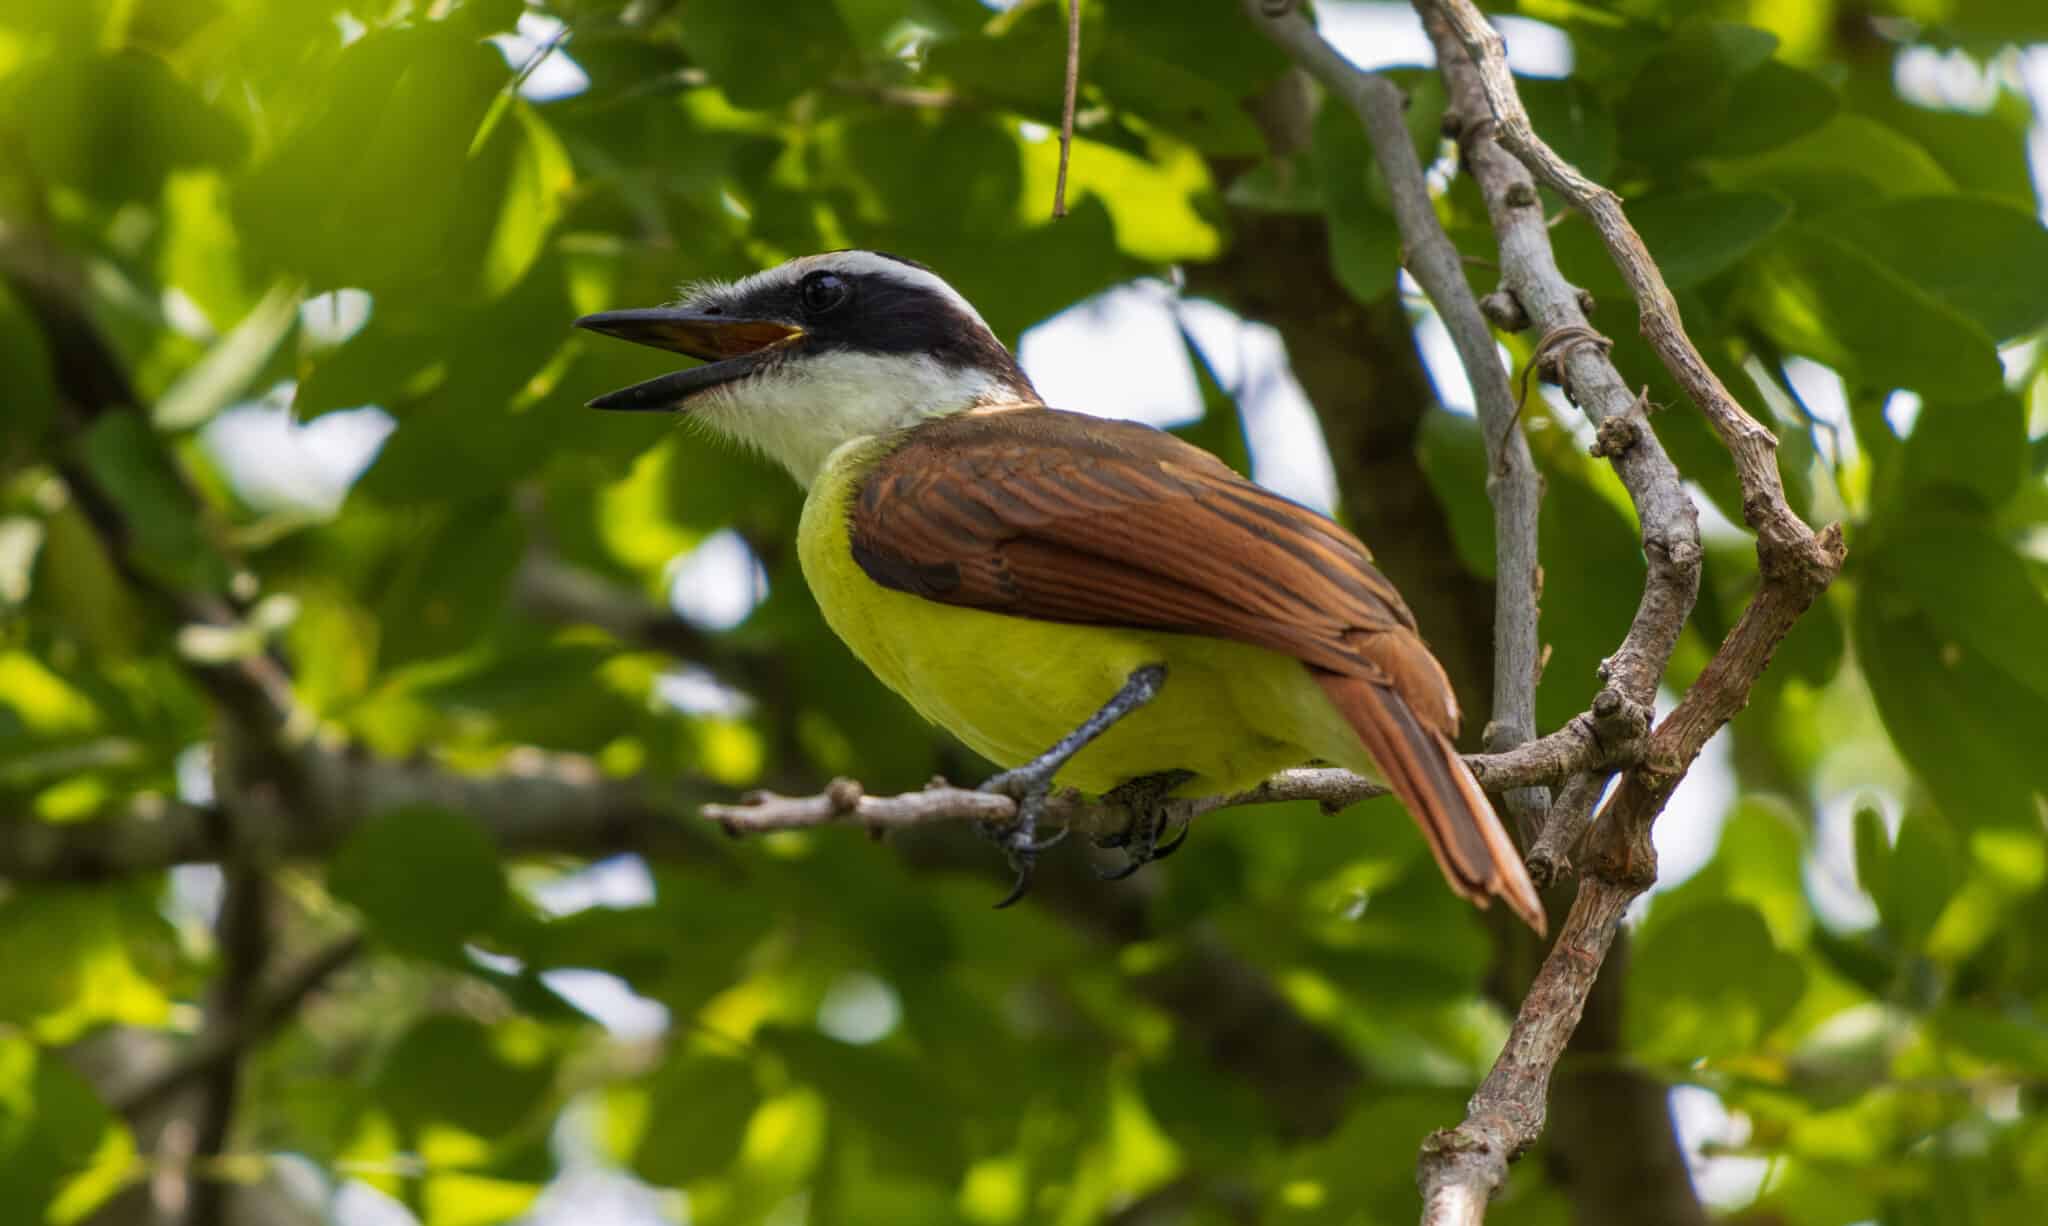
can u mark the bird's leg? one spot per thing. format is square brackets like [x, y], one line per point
[1031, 783]
[1146, 798]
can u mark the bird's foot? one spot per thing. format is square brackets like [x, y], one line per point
[1031, 784]
[1030, 787]
[1139, 839]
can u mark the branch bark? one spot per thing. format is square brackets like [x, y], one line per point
[1578, 746]
[1461, 1168]
[1512, 485]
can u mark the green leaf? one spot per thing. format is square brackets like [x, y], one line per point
[52, 1127]
[1771, 105]
[1365, 245]
[1844, 163]
[231, 366]
[1987, 260]
[1020, 61]
[132, 467]
[1975, 453]
[1963, 723]
[1708, 983]
[1926, 871]
[454, 1071]
[1570, 117]
[1174, 99]
[1453, 456]
[31, 385]
[424, 879]
[1873, 854]
[698, 1117]
[1220, 429]
[1713, 89]
[1694, 236]
[397, 117]
[909, 1118]
[1208, 40]
[1824, 297]
[74, 958]
[1970, 585]
[726, 38]
[115, 126]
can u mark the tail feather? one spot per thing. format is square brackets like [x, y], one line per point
[1422, 766]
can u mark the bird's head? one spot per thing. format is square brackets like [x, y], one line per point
[819, 351]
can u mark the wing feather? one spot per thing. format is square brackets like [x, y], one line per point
[1038, 513]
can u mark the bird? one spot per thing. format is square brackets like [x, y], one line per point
[1085, 602]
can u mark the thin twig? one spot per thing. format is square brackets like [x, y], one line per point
[1582, 744]
[1059, 188]
[1460, 1168]
[1513, 486]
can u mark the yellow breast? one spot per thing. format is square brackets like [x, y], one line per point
[1011, 686]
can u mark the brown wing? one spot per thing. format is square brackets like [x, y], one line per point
[1058, 516]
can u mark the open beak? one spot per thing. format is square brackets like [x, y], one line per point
[731, 348]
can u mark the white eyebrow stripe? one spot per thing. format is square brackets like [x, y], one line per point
[853, 263]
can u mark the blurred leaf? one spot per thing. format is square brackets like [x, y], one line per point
[1970, 586]
[1571, 118]
[1365, 246]
[231, 366]
[1591, 565]
[697, 1120]
[453, 1071]
[1926, 871]
[31, 390]
[1713, 88]
[1173, 98]
[1844, 163]
[1220, 429]
[1821, 296]
[1020, 61]
[1874, 865]
[1975, 451]
[1986, 260]
[1958, 718]
[400, 111]
[126, 121]
[132, 468]
[424, 879]
[1707, 984]
[1694, 236]
[72, 965]
[910, 1118]
[52, 1126]
[725, 37]
[1209, 41]
[1453, 454]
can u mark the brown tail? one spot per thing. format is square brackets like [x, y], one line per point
[1424, 769]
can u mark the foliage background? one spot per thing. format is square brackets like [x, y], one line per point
[332, 204]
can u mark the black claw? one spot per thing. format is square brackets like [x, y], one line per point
[1020, 889]
[1052, 840]
[1118, 874]
[1166, 849]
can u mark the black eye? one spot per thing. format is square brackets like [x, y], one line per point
[823, 292]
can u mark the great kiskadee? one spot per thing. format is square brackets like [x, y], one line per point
[1019, 573]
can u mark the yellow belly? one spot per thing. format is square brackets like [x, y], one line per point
[1010, 686]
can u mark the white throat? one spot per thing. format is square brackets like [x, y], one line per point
[798, 413]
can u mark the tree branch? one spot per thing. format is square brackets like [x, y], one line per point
[1578, 746]
[537, 803]
[1461, 1168]
[1512, 485]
